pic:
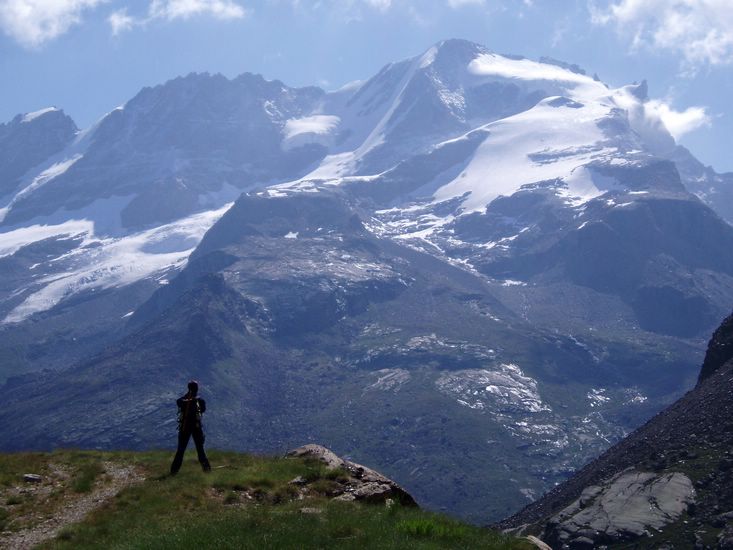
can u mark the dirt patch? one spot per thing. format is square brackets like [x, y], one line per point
[73, 509]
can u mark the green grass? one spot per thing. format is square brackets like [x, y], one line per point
[4, 516]
[245, 502]
[85, 477]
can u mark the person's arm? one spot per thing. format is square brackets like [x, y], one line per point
[202, 405]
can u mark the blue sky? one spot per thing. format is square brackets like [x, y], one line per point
[88, 56]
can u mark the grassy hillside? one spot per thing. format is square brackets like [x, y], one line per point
[127, 500]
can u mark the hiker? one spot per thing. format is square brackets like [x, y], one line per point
[190, 409]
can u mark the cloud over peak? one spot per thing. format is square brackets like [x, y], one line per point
[678, 123]
[701, 31]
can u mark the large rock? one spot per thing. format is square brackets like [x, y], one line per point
[363, 484]
[628, 506]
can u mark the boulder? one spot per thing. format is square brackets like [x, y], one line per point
[318, 452]
[627, 506]
[360, 483]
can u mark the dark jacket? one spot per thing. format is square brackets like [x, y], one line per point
[190, 411]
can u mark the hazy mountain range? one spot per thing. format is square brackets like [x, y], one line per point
[472, 271]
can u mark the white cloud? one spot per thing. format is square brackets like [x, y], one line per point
[699, 30]
[343, 10]
[169, 10]
[381, 5]
[678, 123]
[461, 3]
[33, 22]
[120, 21]
[495, 5]
[184, 9]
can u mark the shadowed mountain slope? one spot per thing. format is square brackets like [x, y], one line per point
[692, 439]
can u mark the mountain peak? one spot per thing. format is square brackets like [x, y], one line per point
[449, 55]
[45, 114]
[30, 117]
[458, 45]
[720, 350]
[640, 91]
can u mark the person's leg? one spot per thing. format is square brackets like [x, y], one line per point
[198, 439]
[183, 437]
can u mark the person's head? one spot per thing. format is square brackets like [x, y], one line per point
[193, 387]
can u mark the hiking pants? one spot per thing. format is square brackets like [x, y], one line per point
[184, 434]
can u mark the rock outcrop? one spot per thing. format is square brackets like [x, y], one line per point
[358, 482]
[628, 506]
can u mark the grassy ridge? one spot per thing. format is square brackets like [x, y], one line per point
[246, 502]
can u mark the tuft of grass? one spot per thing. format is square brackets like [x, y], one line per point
[86, 476]
[336, 474]
[432, 527]
[327, 487]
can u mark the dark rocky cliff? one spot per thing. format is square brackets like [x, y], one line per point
[720, 350]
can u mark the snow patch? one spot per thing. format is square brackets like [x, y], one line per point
[517, 152]
[524, 69]
[12, 241]
[317, 124]
[390, 379]
[29, 117]
[53, 171]
[512, 282]
[428, 57]
[312, 129]
[504, 389]
[597, 397]
[110, 262]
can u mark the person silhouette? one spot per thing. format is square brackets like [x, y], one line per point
[190, 409]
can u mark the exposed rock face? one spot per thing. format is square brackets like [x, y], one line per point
[30, 139]
[715, 190]
[627, 506]
[363, 484]
[184, 140]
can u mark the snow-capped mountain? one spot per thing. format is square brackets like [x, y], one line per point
[432, 140]
[28, 140]
[468, 255]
